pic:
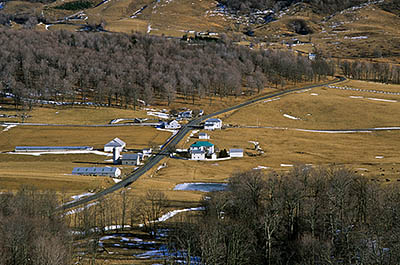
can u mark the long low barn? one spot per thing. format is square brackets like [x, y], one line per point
[97, 171]
[52, 148]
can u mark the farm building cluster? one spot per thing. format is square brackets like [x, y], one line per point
[203, 150]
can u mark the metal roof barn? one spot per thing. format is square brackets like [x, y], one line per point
[51, 148]
[97, 171]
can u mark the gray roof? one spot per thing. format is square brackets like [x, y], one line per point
[88, 170]
[51, 148]
[213, 120]
[130, 157]
[198, 152]
[236, 150]
[202, 134]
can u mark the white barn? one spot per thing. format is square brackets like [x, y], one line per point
[236, 152]
[97, 171]
[198, 155]
[212, 124]
[172, 125]
[115, 143]
[204, 136]
[130, 159]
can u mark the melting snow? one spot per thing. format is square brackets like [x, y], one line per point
[291, 117]
[286, 165]
[173, 213]
[260, 167]
[381, 99]
[8, 127]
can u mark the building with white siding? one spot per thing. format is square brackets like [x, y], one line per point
[212, 124]
[115, 143]
[236, 152]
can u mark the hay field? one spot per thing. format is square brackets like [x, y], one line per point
[325, 108]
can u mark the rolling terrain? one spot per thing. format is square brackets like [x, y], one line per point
[360, 31]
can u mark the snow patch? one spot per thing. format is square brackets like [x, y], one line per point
[8, 127]
[171, 214]
[286, 165]
[379, 157]
[381, 99]
[291, 117]
[260, 167]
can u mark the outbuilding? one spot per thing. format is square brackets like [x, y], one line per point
[212, 124]
[172, 125]
[236, 152]
[97, 171]
[52, 148]
[204, 136]
[130, 159]
[115, 143]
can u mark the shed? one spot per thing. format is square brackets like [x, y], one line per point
[236, 152]
[97, 171]
[172, 125]
[147, 152]
[130, 159]
[212, 124]
[115, 143]
[198, 155]
[204, 136]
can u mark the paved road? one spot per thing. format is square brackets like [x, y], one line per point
[170, 145]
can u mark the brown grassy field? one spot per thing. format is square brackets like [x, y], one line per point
[53, 171]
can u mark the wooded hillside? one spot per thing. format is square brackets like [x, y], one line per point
[120, 69]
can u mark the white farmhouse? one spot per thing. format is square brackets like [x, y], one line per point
[204, 136]
[236, 152]
[172, 125]
[204, 146]
[212, 124]
[115, 143]
[198, 155]
[97, 171]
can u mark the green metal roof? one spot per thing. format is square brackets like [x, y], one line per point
[202, 143]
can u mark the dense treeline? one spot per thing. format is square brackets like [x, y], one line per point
[378, 72]
[119, 69]
[31, 234]
[325, 6]
[307, 216]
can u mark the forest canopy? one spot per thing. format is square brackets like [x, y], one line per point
[120, 68]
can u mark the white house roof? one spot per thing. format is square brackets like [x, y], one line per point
[116, 142]
[130, 157]
[236, 150]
